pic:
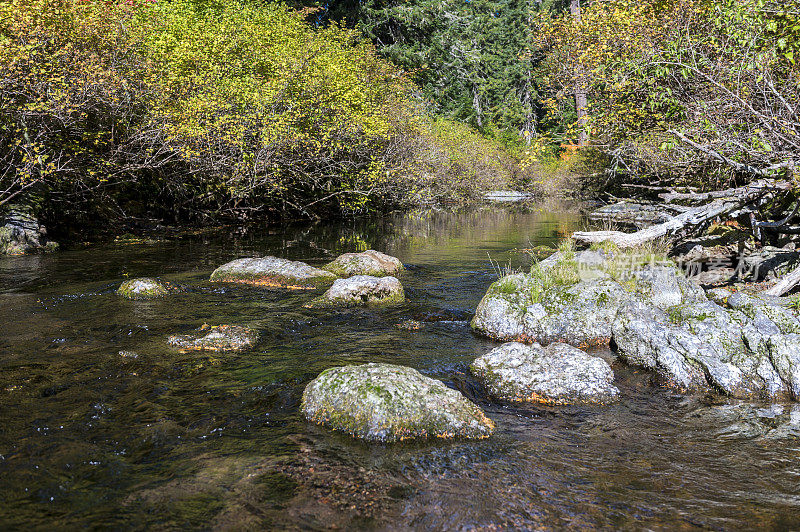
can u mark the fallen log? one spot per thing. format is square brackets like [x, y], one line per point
[786, 283]
[691, 218]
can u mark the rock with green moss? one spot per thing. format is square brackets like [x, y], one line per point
[736, 344]
[388, 403]
[273, 272]
[556, 374]
[368, 262]
[21, 232]
[224, 338]
[362, 290]
[520, 308]
[145, 288]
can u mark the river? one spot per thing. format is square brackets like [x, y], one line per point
[102, 425]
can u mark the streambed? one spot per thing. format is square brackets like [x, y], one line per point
[104, 425]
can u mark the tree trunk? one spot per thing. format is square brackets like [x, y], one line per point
[581, 101]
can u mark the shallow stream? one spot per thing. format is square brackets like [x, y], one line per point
[102, 425]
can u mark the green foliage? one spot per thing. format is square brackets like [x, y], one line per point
[697, 89]
[201, 109]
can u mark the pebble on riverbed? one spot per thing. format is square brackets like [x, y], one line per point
[388, 403]
[273, 272]
[145, 288]
[368, 262]
[556, 374]
[222, 338]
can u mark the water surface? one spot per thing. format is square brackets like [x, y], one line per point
[102, 425]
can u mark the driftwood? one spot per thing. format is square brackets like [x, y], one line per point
[734, 200]
[786, 283]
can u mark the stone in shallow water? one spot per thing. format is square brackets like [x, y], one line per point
[217, 338]
[362, 290]
[274, 272]
[20, 232]
[556, 374]
[369, 262]
[144, 288]
[388, 403]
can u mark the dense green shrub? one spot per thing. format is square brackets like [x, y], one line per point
[201, 109]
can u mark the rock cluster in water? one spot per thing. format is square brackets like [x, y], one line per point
[217, 338]
[368, 262]
[273, 272]
[362, 290]
[144, 288]
[21, 233]
[740, 345]
[556, 374]
[388, 403]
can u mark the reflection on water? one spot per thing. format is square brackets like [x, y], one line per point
[101, 424]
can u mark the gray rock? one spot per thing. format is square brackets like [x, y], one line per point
[272, 272]
[518, 308]
[362, 290]
[21, 233]
[368, 262]
[218, 338]
[630, 213]
[388, 403]
[507, 196]
[738, 344]
[144, 288]
[556, 374]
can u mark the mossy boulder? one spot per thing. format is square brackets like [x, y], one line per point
[362, 290]
[145, 288]
[273, 272]
[217, 338]
[21, 232]
[556, 374]
[368, 262]
[388, 403]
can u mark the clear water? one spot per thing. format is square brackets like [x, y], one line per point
[102, 425]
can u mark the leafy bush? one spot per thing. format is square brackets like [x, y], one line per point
[695, 88]
[200, 109]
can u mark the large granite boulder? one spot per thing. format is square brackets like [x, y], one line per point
[735, 344]
[223, 338]
[368, 262]
[556, 374]
[144, 288]
[21, 233]
[362, 290]
[388, 403]
[272, 272]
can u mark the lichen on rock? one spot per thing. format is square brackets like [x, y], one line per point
[737, 345]
[273, 272]
[362, 290]
[21, 232]
[217, 338]
[556, 374]
[368, 262]
[388, 403]
[145, 288]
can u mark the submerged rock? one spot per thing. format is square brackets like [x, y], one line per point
[362, 290]
[21, 233]
[369, 262]
[556, 374]
[738, 345]
[274, 272]
[144, 288]
[388, 403]
[217, 338]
